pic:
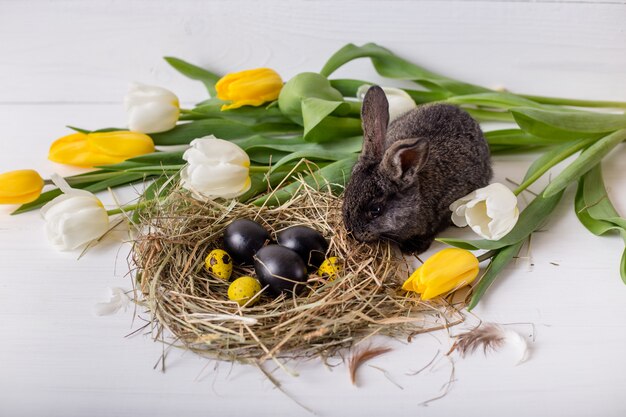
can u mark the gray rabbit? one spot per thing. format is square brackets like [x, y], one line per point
[410, 172]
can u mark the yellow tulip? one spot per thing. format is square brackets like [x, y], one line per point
[20, 187]
[447, 270]
[249, 88]
[105, 148]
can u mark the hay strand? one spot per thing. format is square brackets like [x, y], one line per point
[365, 299]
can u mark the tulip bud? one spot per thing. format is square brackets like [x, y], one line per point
[74, 218]
[104, 148]
[215, 168]
[399, 100]
[151, 109]
[20, 187]
[447, 270]
[249, 88]
[305, 85]
[491, 211]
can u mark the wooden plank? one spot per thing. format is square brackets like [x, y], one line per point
[66, 51]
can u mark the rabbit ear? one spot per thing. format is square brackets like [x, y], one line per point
[375, 118]
[404, 159]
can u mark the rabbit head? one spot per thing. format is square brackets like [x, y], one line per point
[371, 208]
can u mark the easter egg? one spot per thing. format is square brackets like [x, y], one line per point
[243, 289]
[306, 242]
[329, 268]
[243, 238]
[219, 263]
[280, 268]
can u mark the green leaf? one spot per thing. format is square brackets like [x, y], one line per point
[42, 200]
[312, 155]
[113, 181]
[596, 212]
[315, 111]
[587, 160]
[334, 128]
[498, 262]
[260, 183]
[303, 86]
[529, 220]
[597, 200]
[596, 226]
[494, 99]
[246, 114]
[265, 156]
[567, 124]
[517, 137]
[390, 65]
[194, 72]
[78, 129]
[225, 129]
[551, 158]
[349, 87]
[332, 177]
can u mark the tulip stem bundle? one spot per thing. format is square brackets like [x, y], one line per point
[273, 127]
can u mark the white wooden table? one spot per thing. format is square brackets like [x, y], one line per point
[68, 62]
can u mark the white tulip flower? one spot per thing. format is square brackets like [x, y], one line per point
[491, 211]
[399, 100]
[151, 109]
[74, 218]
[215, 168]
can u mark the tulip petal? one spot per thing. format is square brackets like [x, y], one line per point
[104, 148]
[20, 186]
[210, 150]
[445, 271]
[122, 144]
[151, 109]
[249, 88]
[74, 220]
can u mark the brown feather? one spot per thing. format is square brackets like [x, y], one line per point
[488, 336]
[362, 356]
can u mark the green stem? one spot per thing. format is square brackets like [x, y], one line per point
[258, 168]
[490, 116]
[537, 174]
[128, 208]
[575, 102]
[487, 255]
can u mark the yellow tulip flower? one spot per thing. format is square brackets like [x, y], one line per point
[105, 148]
[20, 187]
[249, 88]
[447, 270]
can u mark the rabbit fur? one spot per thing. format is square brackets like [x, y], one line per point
[410, 172]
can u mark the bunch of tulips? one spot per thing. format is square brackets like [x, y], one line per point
[256, 132]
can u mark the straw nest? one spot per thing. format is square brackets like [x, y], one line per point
[330, 316]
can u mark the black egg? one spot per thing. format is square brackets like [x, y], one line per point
[280, 268]
[306, 242]
[243, 238]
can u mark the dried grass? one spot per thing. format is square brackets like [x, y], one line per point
[182, 297]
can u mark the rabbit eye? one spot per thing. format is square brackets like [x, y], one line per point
[375, 210]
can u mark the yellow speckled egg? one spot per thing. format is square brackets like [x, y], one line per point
[219, 263]
[329, 268]
[242, 289]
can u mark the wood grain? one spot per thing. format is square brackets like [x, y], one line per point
[68, 51]
[68, 62]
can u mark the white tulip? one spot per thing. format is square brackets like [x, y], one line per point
[74, 218]
[151, 109]
[399, 100]
[491, 211]
[215, 168]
